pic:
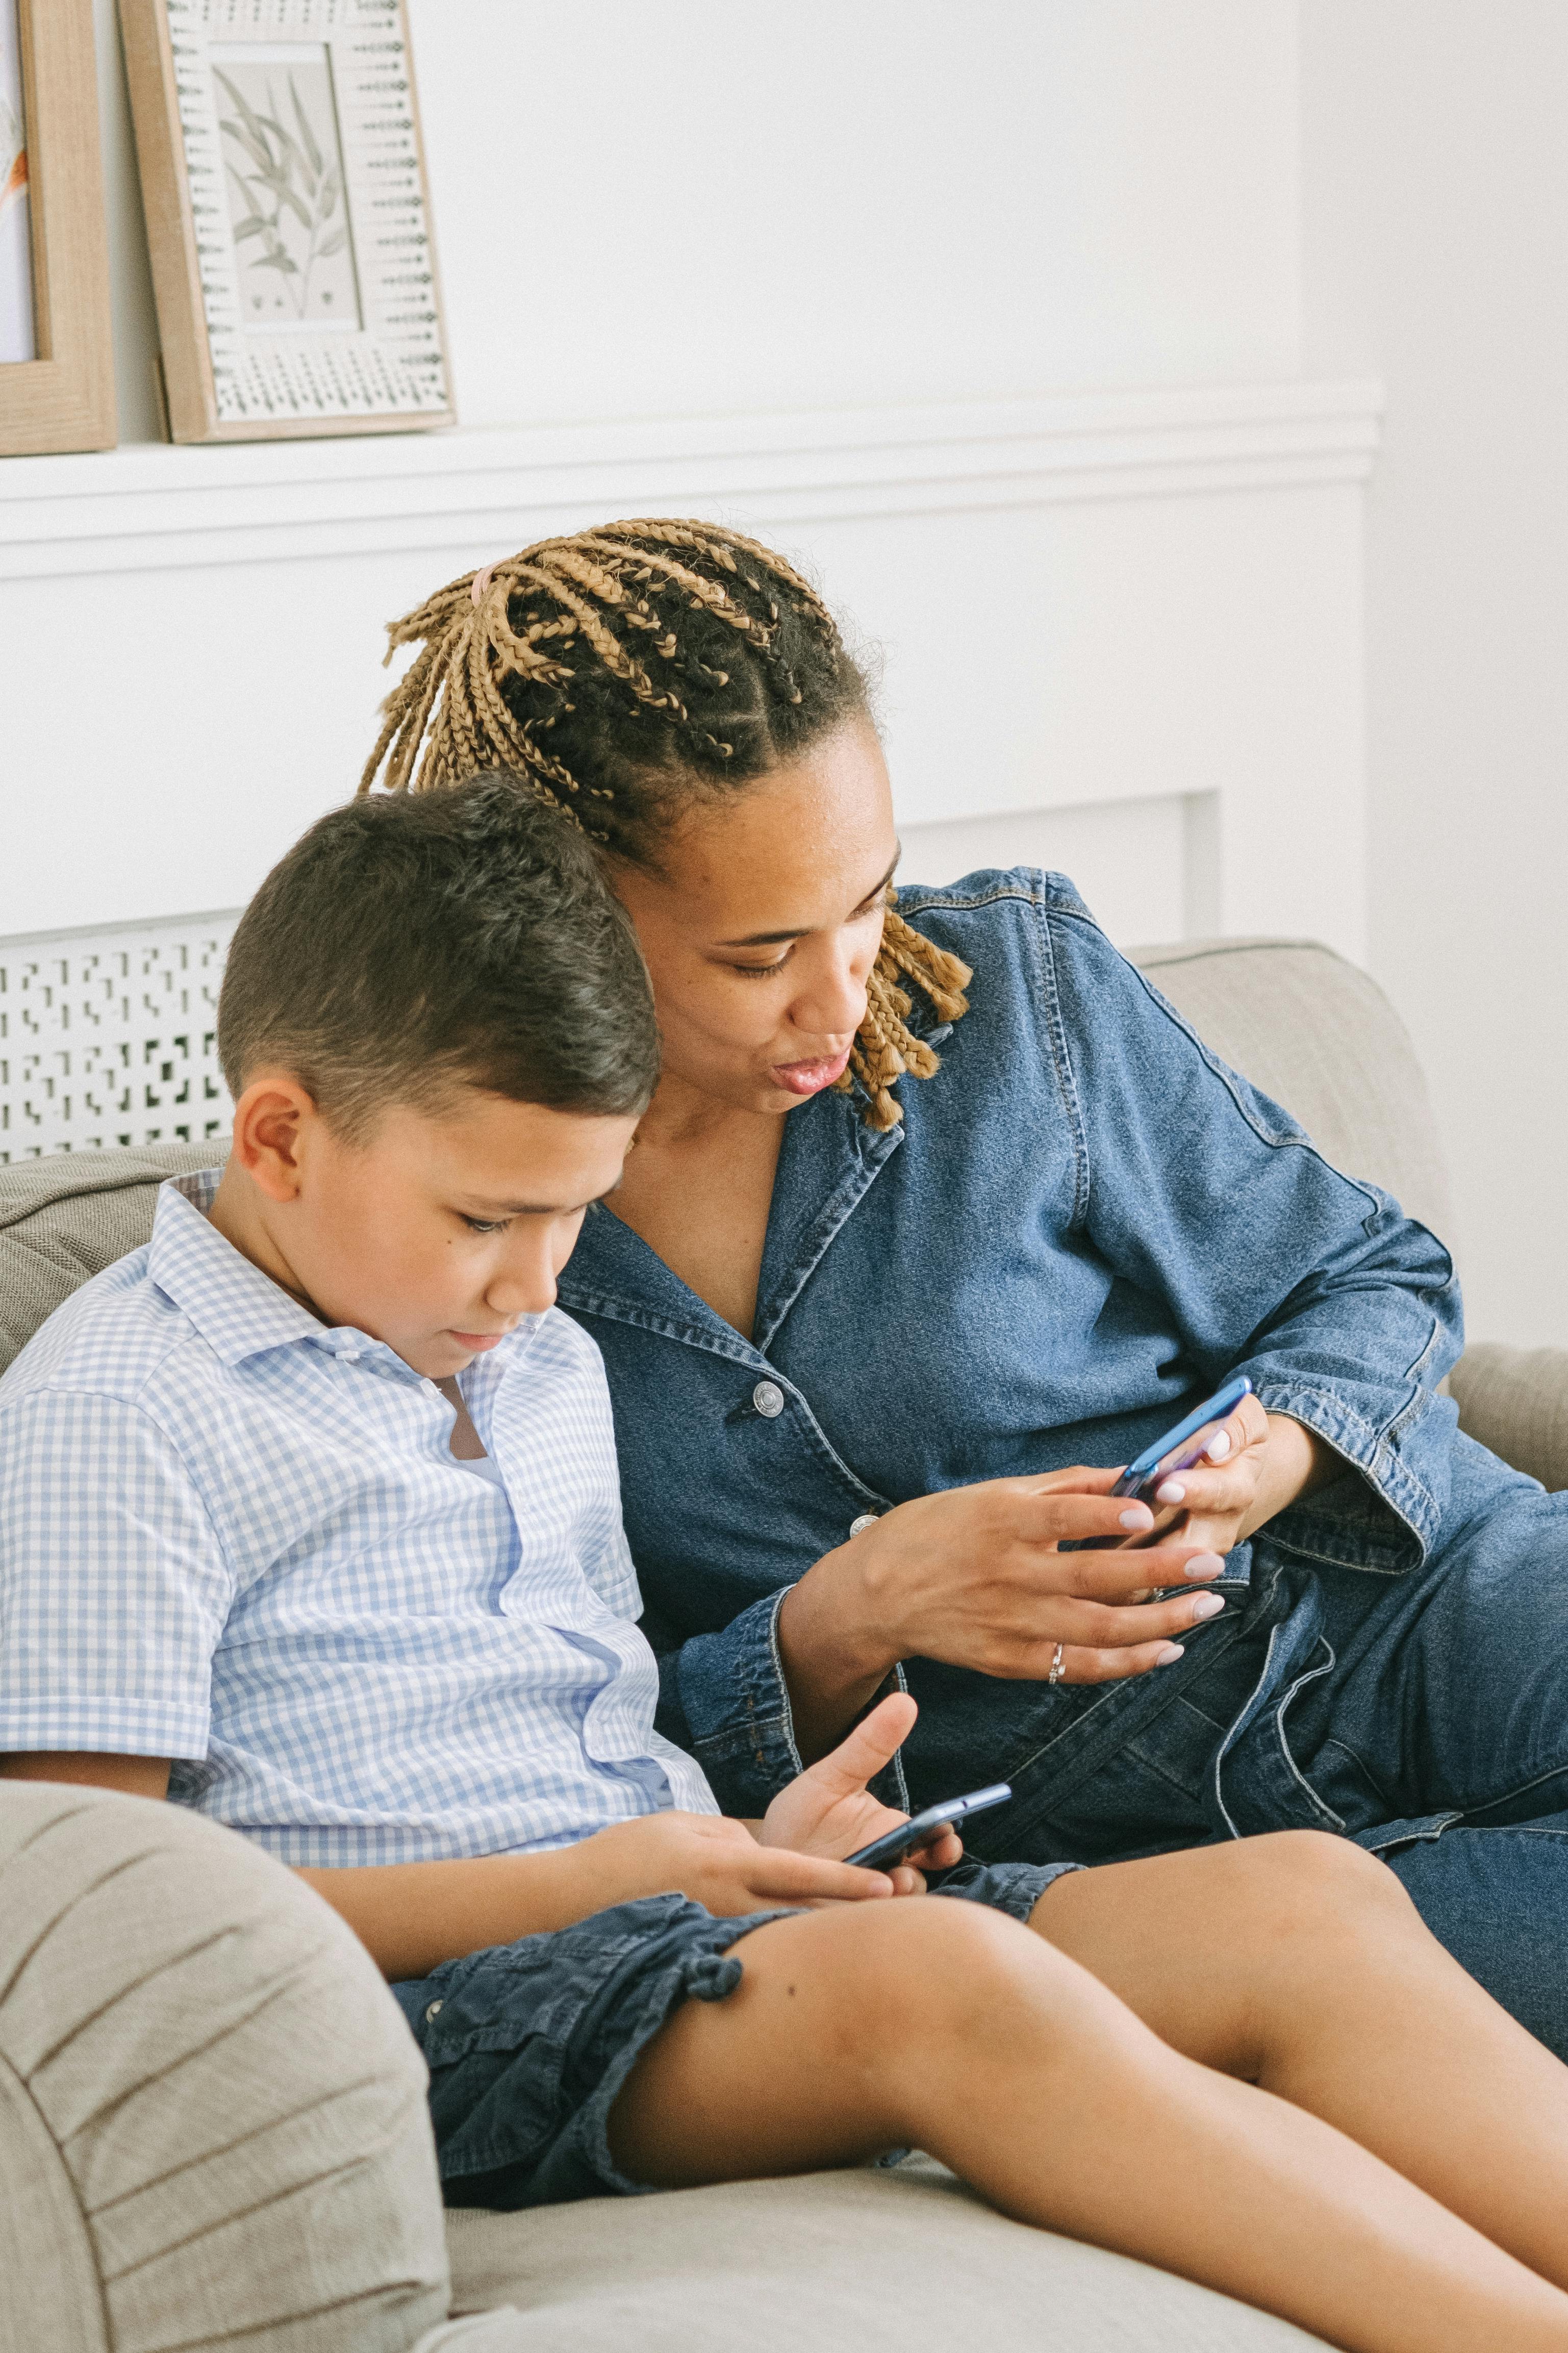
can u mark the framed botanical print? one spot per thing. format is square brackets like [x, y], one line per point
[56, 357]
[289, 218]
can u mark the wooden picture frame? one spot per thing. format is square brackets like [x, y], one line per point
[64, 398]
[287, 217]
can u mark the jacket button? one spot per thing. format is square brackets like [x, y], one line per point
[867, 1520]
[432, 2009]
[768, 1398]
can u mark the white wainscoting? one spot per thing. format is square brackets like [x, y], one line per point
[109, 1038]
[1120, 633]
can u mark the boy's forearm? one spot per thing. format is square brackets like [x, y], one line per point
[412, 1916]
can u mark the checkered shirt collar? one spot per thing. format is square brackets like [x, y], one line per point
[238, 1310]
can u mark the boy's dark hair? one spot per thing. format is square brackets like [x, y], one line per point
[406, 945]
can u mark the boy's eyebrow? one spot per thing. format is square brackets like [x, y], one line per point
[771, 939]
[476, 1208]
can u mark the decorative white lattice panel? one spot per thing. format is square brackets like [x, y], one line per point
[109, 1038]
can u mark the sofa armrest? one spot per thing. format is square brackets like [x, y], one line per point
[1515, 1400]
[213, 2126]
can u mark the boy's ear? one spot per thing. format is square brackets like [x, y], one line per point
[272, 1124]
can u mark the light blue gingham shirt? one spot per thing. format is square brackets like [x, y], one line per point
[234, 1537]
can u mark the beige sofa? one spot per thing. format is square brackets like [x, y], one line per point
[212, 2128]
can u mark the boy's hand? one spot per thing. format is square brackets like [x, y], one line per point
[719, 1864]
[829, 1810]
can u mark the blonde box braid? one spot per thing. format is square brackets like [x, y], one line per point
[618, 667]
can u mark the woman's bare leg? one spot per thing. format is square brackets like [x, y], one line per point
[945, 2025]
[1299, 1963]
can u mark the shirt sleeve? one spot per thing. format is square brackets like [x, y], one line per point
[723, 1698]
[113, 1586]
[1196, 1186]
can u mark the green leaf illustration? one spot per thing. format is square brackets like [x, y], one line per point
[291, 153]
[333, 244]
[306, 134]
[279, 261]
[255, 148]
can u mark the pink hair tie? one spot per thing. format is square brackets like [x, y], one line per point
[481, 588]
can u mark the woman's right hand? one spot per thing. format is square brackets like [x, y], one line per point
[977, 1577]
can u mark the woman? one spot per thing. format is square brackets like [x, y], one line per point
[861, 1342]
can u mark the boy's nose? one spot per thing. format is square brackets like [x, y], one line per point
[525, 1290]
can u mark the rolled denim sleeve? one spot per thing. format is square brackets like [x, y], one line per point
[1195, 1186]
[722, 1697]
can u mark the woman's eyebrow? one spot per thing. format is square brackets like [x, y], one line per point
[771, 939]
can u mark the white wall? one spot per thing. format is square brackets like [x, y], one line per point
[747, 220]
[991, 316]
[1436, 180]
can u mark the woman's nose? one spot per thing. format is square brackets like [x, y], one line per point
[831, 1001]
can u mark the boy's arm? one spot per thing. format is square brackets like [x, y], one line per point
[136, 1777]
[412, 1916]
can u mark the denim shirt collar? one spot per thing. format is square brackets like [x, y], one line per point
[828, 1160]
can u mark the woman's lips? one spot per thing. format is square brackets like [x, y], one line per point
[810, 1078]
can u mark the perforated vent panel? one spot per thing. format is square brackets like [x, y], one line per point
[109, 1038]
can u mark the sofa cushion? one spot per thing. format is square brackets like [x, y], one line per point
[866, 2262]
[1317, 1034]
[213, 2129]
[71, 1215]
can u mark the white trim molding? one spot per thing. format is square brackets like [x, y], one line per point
[152, 508]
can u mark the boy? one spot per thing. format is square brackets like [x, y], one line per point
[309, 1518]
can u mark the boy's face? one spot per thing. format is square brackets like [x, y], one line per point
[437, 1232]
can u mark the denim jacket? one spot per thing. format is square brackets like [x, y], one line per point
[1083, 1222]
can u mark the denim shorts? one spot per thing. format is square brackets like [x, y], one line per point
[529, 2044]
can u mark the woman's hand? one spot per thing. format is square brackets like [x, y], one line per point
[829, 1810]
[977, 1577]
[1254, 1464]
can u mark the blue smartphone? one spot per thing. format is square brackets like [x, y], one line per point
[892, 1847]
[1140, 1478]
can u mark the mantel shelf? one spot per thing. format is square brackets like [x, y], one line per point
[151, 507]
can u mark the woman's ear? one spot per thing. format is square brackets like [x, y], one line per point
[272, 1124]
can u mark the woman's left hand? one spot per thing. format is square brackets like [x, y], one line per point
[828, 1810]
[1253, 1465]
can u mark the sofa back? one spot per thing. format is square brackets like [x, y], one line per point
[1310, 1030]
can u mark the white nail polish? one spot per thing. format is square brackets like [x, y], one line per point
[1207, 1604]
[1137, 1519]
[1219, 1447]
[1172, 1492]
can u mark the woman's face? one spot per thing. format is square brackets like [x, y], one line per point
[764, 925]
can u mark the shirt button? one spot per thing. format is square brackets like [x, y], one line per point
[431, 2011]
[867, 1520]
[768, 1398]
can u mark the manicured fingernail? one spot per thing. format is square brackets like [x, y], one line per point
[1169, 1654]
[1172, 1492]
[1207, 1604]
[1204, 1564]
[1218, 1446]
[1139, 1517]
